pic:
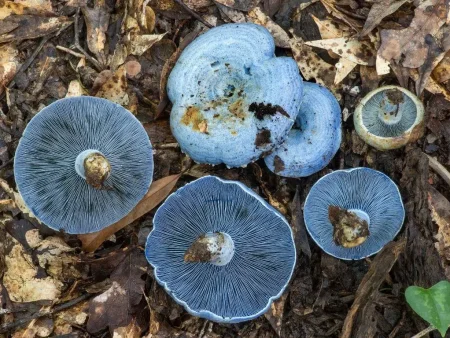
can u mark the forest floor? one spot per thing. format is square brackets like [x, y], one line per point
[63, 285]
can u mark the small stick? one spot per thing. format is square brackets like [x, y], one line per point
[167, 146]
[424, 332]
[195, 15]
[78, 46]
[9, 326]
[70, 51]
[439, 169]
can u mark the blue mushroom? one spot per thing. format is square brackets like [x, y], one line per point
[233, 100]
[82, 164]
[220, 250]
[352, 214]
[315, 138]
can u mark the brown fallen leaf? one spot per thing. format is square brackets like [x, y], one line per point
[379, 10]
[357, 51]
[18, 200]
[229, 14]
[242, 5]
[158, 191]
[26, 7]
[256, 15]
[440, 213]
[139, 44]
[343, 68]
[441, 72]
[132, 330]
[369, 78]
[75, 89]
[32, 27]
[410, 45]
[275, 314]
[9, 64]
[117, 306]
[329, 29]
[333, 10]
[97, 19]
[431, 85]
[115, 87]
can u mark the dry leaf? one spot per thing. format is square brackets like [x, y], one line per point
[369, 78]
[31, 27]
[21, 276]
[75, 89]
[130, 331]
[9, 64]
[360, 52]
[158, 191]
[25, 7]
[441, 72]
[440, 212]
[410, 45]
[77, 315]
[18, 200]
[115, 88]
[275, 314]
[97, 19]
[343, 68]
[329, 29]
[242, 5]
[379, 10]
[230, 14]
[382, 65]
[330, 6]
[432, 86]
[256, 15]
[139, 44]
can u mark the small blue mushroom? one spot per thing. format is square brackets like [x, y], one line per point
[352, 214]
[315, 138]
[220, 250]
[82, 164]
[233, 100]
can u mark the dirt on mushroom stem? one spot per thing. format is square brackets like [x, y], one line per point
[199, 251]
[97, 169]
[349, 230]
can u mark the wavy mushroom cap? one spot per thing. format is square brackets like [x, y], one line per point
[315, 138]
[369, 194]
[46, 171]
[233, 100]
[258, 271]
[389, 117]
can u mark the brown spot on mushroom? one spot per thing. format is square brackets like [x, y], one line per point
[278, 164]
[262, 138]
[193, 117]
[236, 109]
[198, 251]
[263, 109]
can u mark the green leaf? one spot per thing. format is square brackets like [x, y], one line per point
[432, 304]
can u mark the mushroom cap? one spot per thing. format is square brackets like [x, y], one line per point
[389, 117]
[44, 164]
[362, 190]
[261, 266]
[315, 138]
[233, 100]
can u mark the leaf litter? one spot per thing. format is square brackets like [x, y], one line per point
[100, 283]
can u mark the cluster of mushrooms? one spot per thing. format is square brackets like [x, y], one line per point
[218, 248]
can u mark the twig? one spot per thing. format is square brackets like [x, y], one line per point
[70, 51]
[424, 332]
[167, 146]
[195, 15]
[9, 326]
[439, 169]
[78, 46]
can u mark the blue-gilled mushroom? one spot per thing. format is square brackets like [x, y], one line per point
[389, 117]
[233, 100]
[82, 164]
[220, 250]
[352, 214]
[315, 137]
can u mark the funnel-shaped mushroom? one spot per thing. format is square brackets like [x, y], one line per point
[315, 138]
[220, 250]
[233, 100]
[352, 214]
[82, 164]
[389, 117]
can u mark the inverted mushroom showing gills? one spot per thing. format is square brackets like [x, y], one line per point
[389, 117]
[352, 214]
[315, 137]
[220, 250]
[82, 164]
[233, 100]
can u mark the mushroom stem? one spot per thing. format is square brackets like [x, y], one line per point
[216, 248]
[93, 166]
[351, 227]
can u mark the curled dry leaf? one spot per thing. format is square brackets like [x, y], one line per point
[158, 191]
[359, 52]
[31, 27]
[9, 64]
[410, 45]
[379, 10]
[21, 276]
[440, 212]
[256, 15]
[97, 19]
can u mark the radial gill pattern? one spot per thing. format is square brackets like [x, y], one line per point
[233, 100]
[262, 263]
[359, 189]
[44, 165]
[315, 138]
